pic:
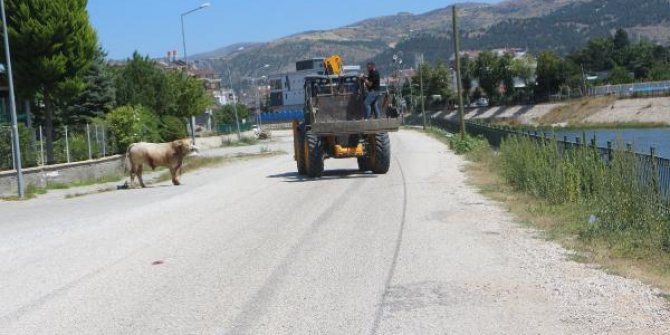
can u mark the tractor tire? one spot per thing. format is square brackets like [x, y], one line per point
[381, 158]
[314, 153]
[300, 152]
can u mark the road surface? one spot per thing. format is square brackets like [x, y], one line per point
[251, 248]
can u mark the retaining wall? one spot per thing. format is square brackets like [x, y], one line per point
[61, 173]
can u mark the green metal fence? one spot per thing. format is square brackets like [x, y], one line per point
[226, 128]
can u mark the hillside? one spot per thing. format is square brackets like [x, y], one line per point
[562, 25]
[571, 26]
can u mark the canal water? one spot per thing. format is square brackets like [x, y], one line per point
[642, 139]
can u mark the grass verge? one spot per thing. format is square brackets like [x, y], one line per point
[632, 251]
[243, 141]
[33, 191]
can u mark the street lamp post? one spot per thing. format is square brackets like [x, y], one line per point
[183, 39]
[258, 100]
[258, 95]
[423, 98]
[12, 106]
[237, 119]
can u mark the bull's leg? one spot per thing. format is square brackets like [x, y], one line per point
[132, 176]
[175, 177]
[139, 176]
[179, 169]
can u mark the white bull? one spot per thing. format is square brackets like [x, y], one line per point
[170, 155]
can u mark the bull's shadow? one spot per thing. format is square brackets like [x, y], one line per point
[294, 177]
[126, 187]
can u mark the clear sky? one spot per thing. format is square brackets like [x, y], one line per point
[153, 26]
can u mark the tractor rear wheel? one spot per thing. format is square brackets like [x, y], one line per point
[314, 155]
[381, 155]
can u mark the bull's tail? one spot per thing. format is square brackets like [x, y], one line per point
[126, 165]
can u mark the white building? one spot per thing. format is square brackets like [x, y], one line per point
[225, 96]
[287, 91]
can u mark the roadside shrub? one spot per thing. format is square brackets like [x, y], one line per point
[467, 144]
[172, 128]
[129, 124]
[78, 147]
[29, 153]
[619, 201]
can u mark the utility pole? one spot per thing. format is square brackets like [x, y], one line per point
[423, 107]
[459, 84]
[12, 106]
[237, 119]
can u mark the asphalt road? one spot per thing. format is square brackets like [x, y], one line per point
[251, 248]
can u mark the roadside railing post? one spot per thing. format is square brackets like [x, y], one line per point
[104, 144]
[41, 147]
[88, 141]
[67, 145]
[609, 151]
[654, 170]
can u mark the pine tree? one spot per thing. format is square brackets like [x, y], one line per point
[53, 46]
[99, 96]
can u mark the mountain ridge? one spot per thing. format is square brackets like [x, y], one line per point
[558, 24]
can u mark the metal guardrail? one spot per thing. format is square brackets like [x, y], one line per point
[652, 169]
[635, 89]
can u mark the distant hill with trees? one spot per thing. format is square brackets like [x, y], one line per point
[536, 25]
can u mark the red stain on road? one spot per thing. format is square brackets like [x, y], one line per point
[157, 263]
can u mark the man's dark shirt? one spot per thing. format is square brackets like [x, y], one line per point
[373, 77]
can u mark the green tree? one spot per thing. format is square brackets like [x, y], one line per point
[660, 71]
[53, 45]
[99, 96]
[549, 76]
[504, 72]
[524, 69]
[172, 128]
[226, 114]
[620, 39]
[619, 75]
[467, 76]
[598, 55]
[424, 72]
[485, 71]
[128, 124]
[189, 97]
[439, 80]
[141, 82]
[639, 59]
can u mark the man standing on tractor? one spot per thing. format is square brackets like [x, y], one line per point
[371, 82]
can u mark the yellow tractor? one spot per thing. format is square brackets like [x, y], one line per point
[335, 125]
